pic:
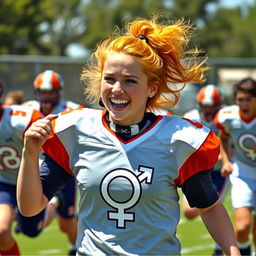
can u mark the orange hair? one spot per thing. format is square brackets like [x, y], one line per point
[162, 55]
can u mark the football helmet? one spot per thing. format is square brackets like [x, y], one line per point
[209, 95]
[48, 80]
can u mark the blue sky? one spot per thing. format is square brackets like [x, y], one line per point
[232, 3]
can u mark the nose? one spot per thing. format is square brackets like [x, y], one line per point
[117, 87]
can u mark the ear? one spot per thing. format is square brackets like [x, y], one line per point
[153, 88]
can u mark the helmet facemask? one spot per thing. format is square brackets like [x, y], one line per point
[48, 100]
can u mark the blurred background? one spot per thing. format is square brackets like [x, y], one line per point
[60, 35]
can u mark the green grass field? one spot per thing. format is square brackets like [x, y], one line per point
[50, 242]
[194, 238]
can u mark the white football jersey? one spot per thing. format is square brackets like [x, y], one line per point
[14, 121]
[243, 136]
[128, 189]
[195, 115]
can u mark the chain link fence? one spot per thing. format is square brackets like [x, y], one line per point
[19, 72]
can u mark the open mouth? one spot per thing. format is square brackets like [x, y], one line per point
[47, 104]
[119, 103]
[245, 111]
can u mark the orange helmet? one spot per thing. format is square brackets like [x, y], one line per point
[49, 80]
[209, 95]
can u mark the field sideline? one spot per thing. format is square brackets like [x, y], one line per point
[192, 234]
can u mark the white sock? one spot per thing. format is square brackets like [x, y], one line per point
[244, 245]
[72, 246]
[54, 200]
[254, 252]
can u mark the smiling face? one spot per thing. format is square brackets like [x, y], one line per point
[247, 105]
[124, 89]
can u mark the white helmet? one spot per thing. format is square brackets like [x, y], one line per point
[49, 80]
[209, 95]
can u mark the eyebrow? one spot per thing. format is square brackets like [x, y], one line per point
[112, 74]
[133, 76]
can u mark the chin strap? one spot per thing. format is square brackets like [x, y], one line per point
[127, 130]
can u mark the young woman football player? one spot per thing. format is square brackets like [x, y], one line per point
[129, 162]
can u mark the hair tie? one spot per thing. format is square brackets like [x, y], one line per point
[144, 38]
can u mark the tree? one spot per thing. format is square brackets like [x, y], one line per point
[228, 34]
[103, 16]
[49, 27]
[195, 11]
[64, 24]
[19, 21]
[40, 27]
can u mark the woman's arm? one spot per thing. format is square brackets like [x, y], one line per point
[217, 222]
[201, 193]
[30, 197]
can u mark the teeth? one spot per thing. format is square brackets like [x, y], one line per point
[119, 101]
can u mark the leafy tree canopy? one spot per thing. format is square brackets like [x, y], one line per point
[49, 27]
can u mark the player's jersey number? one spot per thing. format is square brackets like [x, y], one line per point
[9, 158]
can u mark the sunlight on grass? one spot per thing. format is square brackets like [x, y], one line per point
[50, 242]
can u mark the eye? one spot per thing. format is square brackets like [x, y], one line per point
[109, 79]
[131, 81]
